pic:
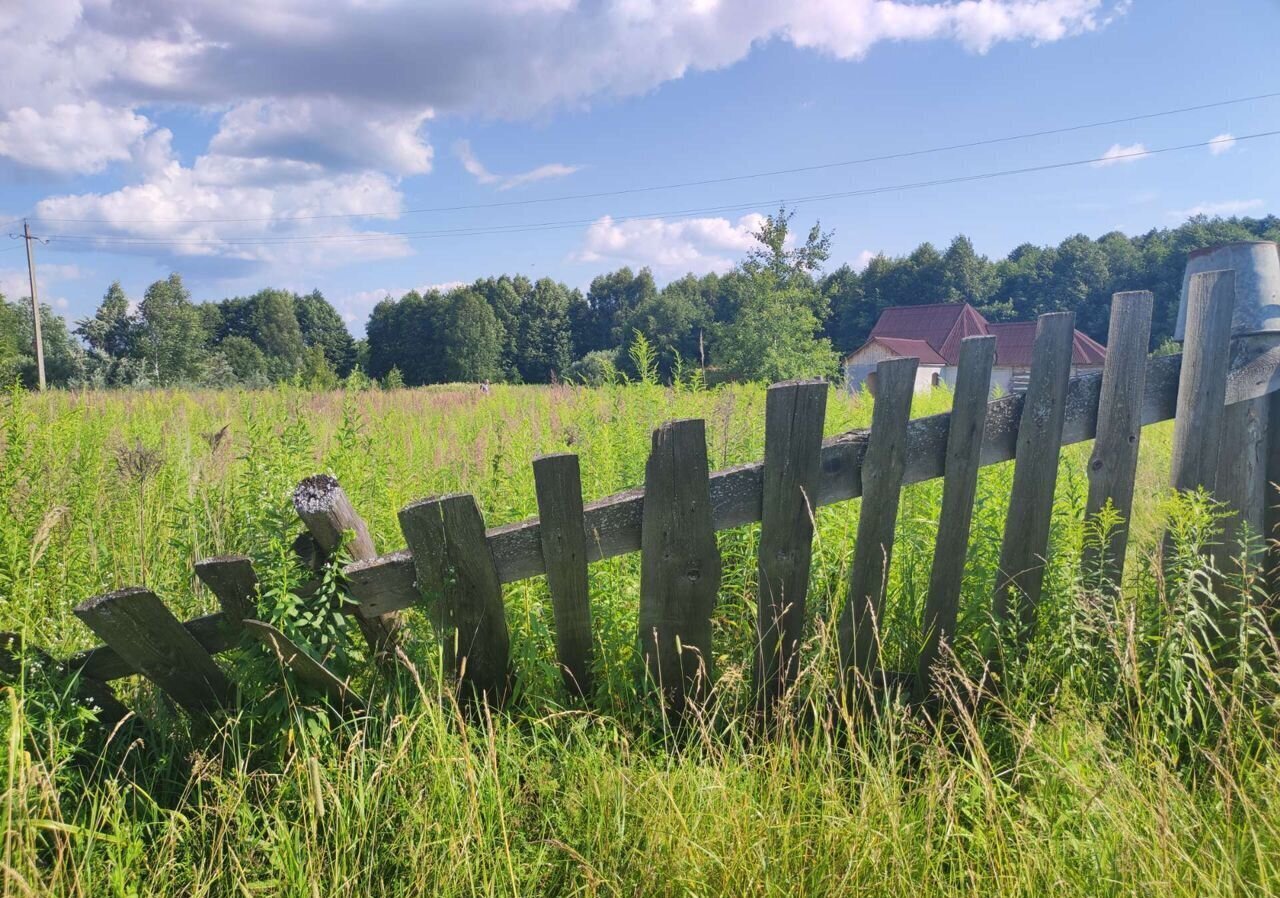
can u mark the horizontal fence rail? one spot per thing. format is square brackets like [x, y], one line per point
[455, 568]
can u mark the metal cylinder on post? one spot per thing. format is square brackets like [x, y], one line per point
[1245, 468]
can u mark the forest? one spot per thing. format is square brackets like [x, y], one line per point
[777, 314]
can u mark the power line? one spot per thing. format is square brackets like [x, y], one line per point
[481, 230]
[906, 154]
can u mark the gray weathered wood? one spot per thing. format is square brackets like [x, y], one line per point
[1197, 429]
[679, 566]
[386, 583]
[233, 583]
[558, 484]
[1271, 502]
[146, 634]
[1114, 462]
[455, 571]
[323, 506]
[1035, 474]
[882, 472]
[794, 416]
[307, 669]
[959, 488]
[1240, 483]
[93, 693]
[211, 631]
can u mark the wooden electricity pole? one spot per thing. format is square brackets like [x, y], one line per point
[35, 303]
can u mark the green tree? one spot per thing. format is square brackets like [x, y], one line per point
[787, 264]
[171, 336]
[545, 337]
[112, 331]
[606, 318]
[247, 362]
[322, 326]
[470, 348]
[775, 335]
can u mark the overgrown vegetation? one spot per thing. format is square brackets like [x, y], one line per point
[1133, 750]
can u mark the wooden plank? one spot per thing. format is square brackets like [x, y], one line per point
[386, 583]
[1020, 575]
[1114, 462]
[307, 669]
[323, 506]
[95, 694]
[679, 566]
[233, 583]
[882, 473]
[1271, 504]
[1240, 483]
[455, 569]
[1197, 431]
[102, 662]
[146, 634]
[558, 484]
[959, 488]
[794, 416]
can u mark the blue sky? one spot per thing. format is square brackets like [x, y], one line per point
[149, 119]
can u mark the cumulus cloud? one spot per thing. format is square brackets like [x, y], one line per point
[1221, 144]
[323, 80]
[692, 244]
[261, 209]
[1119, 154]
[71, 137]
[475, 168]
[1225, 208]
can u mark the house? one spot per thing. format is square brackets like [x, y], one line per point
[932, 334]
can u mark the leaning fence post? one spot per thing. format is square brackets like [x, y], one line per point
[1020, 576]
[1114, 462]
[858, 630]
[145, 633]
[454, 568]
[959, 489]
[794, 416]
[323, 506]
[679, 565]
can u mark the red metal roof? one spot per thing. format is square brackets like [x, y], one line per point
[1015, 341]
[932, 333]
[905, 348]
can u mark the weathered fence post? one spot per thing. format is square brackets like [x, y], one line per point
[679, 566]
[323, 506]
[233, 583]
[858, 630]
[304, 667]
[454, 568]
[145, 633]
[562, 532]
[959, 488]
[1020, 576]
[1114, 462]
[794, 416]
[1202, 385]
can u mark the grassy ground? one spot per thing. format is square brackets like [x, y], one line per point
[1126, 757]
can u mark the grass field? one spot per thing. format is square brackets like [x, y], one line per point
[1123, 758]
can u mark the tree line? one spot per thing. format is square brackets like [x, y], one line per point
[774, 316]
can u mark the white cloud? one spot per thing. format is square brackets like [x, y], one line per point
[321, 130]
[70, 137]
[864, 259]
[475, 168]
[352, 81]
[1221, 144]
[674, 247]
[1120, 154]
[15, 285]
[162, 214]
[1225, 208]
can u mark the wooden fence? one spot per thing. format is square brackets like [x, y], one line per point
[1219, 391]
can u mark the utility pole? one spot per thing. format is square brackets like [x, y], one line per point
[35, 303]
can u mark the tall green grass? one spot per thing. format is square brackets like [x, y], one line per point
[1131, 750]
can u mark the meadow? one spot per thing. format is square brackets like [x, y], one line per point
[1122, 756]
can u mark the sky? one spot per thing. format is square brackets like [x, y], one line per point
[369, 147]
